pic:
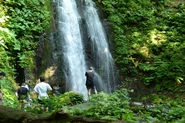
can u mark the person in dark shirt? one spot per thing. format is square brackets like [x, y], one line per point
[22, 94]
[57, 90]
[89, 81]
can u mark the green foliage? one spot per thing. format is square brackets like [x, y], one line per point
[35, 107]
[23, 23]
[73, 97]
[9, 97]
[149, 38]
[113, 106]
[76, 98]
[56, 103]
[7, 44]
[169, 112]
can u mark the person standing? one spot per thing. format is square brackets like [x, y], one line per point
[90, 81]
[41, 89]
[2, 75]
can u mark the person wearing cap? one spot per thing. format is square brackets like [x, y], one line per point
[90, 81]
[2, 75]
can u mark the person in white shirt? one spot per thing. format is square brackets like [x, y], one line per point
[41, 89]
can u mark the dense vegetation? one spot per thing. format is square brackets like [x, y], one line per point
[21, 25]
[149, 47]
[149, 40]
[117, 106]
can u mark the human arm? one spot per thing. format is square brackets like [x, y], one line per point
[49, 88]
[1, 84]
[1, 91]
[35, 89]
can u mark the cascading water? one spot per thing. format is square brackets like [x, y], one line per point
[102, 59]
[72, 48]
[75, 47]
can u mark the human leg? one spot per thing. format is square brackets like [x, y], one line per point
[41, 103]
[45, 104]
[95, 91]
[89, 92]
[1, 99]
[23, 103]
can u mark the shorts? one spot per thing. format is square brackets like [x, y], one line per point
[91, 87]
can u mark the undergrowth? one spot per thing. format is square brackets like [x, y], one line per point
[118, 106]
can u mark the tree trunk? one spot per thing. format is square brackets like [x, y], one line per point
[11, 115]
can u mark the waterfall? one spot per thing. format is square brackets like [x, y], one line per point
[83, 46]
[72, 47]
[103, 61]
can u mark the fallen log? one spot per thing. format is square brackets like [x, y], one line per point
[12, 115]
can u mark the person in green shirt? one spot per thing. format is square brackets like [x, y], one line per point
[2, 74]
